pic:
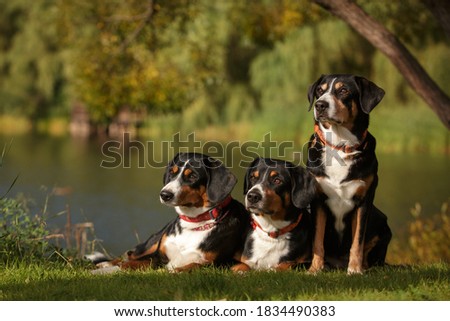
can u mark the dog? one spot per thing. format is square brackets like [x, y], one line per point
[349, 229]
[277, 194]
[209, 226]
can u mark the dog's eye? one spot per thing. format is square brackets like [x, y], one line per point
[277, 181]
[343, 91]
[192, 177]
[319, 91]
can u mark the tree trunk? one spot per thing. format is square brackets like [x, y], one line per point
[388, 44]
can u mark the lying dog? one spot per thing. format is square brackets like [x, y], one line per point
[349, 229]
[280, 236]
[210, 224]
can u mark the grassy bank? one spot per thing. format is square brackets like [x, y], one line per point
[41, 282]
[397, 129]
[408, 129]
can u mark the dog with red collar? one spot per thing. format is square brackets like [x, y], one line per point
[210, 224]
[277, 194]
[349, 230]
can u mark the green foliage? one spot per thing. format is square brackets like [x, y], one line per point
[429, 237]
[22, 236]
[5, 151]
[410, 20]
[112, 70]
[216, 62]
[32, 66]
[425, 239]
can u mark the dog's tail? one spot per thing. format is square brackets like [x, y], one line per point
[97, 257]
[104, 263]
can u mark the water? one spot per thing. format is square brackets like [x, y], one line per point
[123, 203]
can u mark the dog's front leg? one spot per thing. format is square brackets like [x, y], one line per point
[355, 263]
[366, 195]
[189, 260]
[318, 261]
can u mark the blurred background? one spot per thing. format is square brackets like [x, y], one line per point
[77, 74]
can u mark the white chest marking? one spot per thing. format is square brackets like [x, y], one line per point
[183, 248]
[267, 251]
[340, 194]
[338, 135]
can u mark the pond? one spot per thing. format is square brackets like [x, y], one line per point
[123, 203]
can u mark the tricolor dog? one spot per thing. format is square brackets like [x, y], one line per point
[209, 225]
[349, 229]
[280, 235]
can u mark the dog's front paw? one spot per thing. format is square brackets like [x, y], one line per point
[354, 268]
[240, 268]
[317, 265]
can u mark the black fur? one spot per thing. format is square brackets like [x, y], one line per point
[362, 162]
[292, 189]
[224, 238]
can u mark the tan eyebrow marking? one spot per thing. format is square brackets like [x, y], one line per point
[187, 172]
[338, 85]
[273, 173]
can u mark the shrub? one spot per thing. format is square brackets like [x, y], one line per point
[424, 240]
[429, 238]
[22, 236]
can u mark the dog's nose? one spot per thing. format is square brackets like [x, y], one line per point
[321, 105]
[166, 195]
[254, 197]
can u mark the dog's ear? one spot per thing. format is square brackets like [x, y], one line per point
[249, 171]
[312, 91]
[304, 187]
[166, 176]
[369, 94]
[220, 181]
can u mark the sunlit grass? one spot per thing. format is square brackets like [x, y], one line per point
[409, 129]
[56, 127]
[401, 129]
[61, 282]
[14, 125]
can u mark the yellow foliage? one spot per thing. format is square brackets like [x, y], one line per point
[14, 125]
[427, 239]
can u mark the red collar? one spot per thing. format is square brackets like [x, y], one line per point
[345, 148]
[211, 214]
[277, 233]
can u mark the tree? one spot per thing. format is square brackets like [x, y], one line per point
[380, 37]
[118, 55]
[32, 71]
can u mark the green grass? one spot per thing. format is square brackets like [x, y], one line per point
[45, 282]
[412, 128]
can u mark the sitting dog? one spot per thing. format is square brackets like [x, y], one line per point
[349, 229]
[210, 224]
[280, 236]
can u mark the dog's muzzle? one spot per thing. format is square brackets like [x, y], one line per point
[321, 107]
[166, 196]
[254, 197]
